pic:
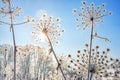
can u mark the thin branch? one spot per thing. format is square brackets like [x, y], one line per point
[13, 24]
[5, 22]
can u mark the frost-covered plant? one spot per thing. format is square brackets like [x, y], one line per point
[100, 67]
[11, 12]
[49, 30]
[64, 63]
[89, 16]
[114, 74]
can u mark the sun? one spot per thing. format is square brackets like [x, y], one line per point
[42, 37]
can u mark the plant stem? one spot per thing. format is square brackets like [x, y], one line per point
[91, 76]
[91, 37]
[14, 43]
[59, 65]
[14, 53]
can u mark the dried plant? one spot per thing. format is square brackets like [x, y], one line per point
[90, 13]
[114, 74]
[64, 63]
[10, 12]
[88, 18]
[48, 29]
[100, 66]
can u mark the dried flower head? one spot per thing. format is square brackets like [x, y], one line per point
[78, 51]
[69, 55]
[47, 28]
[74, 10]
[29, 19]
[97, 47]
[9, 9]
[86, 45]
[100, 64]
[90, 14]
[108, 49]
[83, 2]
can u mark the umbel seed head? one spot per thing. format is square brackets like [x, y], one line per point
[91, 18]
[86, 45]
[90, 13]
[92, 4]
[47, 28]
[78, 51]
[74, 10]
[69, 55]
[108, 49]
[97, 47]
[83, 2]
[110, 13]
[103, 4]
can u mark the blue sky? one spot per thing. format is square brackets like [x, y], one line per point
[73, 38]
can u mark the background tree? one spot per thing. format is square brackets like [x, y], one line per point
[6, 57]
[33, 63]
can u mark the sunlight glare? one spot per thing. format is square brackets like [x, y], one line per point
[42, 37]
